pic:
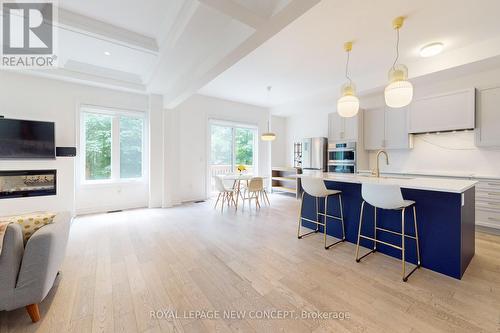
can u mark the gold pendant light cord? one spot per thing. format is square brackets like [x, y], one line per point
[347, 68]
[397, 50]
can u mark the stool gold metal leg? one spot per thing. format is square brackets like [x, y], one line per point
[300, 215]
[416, 235]
[326, 216]
[317, 210]
[403, 244]
[342, 216]
[375, 230]
[358, 258]
[299, 236]
[324, 220]
[359, 230]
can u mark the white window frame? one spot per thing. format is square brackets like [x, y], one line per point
[115, 144]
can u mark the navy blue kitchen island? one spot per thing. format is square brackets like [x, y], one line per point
[445, 219]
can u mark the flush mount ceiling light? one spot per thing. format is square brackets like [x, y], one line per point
[348, 103]
[107, 53]
[399, 91]
[268, 136]
[431, 49]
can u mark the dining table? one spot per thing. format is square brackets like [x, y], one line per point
[237, 178]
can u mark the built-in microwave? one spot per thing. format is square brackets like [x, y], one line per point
[342, 157]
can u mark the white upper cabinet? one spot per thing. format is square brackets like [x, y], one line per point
[444, 112]
[374, 128]
[488, 117]
[351, 127]
[335, 127]
[344, 129]
[386, 128]
[396, 128]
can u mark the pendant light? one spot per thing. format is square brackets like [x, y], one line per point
[268, 136]
[399, 91]
[348, 103]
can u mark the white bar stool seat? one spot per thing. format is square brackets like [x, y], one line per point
[316, 188]
[389, 197]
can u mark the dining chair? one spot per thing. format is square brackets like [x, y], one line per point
[253, 191]
[227, 194]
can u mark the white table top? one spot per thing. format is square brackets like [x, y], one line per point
[418, 183]
[243, 176]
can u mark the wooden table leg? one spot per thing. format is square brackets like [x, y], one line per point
[237, 183]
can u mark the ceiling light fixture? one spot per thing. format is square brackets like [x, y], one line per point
[268, 136]
[431, 49]
[348, 103]
[399, 91]
[107, 53]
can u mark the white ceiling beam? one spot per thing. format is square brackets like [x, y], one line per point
[189, 85]
[236, 11]
[181, 22]
[88, 26]
[172, 36]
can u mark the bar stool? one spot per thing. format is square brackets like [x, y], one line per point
[316, 188]
[388, 197]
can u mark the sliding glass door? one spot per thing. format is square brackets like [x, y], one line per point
[231, 145]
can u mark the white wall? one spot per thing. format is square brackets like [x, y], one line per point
[444, 153]
[187, 143]
[278, 146]
[29, 97]
[312, 123]
[156, 151]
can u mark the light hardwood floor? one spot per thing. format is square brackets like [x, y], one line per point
[122, 266]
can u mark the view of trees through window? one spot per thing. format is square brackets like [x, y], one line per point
[99, 148]
[244, 146]
[130, 147]
[222, 145]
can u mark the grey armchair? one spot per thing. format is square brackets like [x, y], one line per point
[28, 273]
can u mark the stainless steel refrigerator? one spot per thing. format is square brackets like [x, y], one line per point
[314, 153]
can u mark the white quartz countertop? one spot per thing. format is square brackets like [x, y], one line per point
[418, 183]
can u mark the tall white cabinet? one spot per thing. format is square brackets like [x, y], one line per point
[488, 117]
[386, 128]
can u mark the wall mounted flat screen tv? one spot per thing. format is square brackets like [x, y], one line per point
[25, 139]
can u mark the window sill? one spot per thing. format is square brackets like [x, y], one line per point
[113, 183]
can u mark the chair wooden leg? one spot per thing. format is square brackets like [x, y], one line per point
[33, 312]
[218, 197]
[267, 198]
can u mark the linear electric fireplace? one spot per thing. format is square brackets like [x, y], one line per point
[27, 183]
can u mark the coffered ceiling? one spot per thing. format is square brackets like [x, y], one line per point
[172, 47]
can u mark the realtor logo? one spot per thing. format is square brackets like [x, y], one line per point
[28, 34]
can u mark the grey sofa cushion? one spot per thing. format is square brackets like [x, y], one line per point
[41, 260]
[10, 262]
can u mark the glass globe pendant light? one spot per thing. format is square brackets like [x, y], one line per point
[268, 136]
[348, 103]
[399, 91]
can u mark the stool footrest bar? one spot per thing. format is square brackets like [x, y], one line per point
[395, 232]
[381, 242]
[312, 221]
